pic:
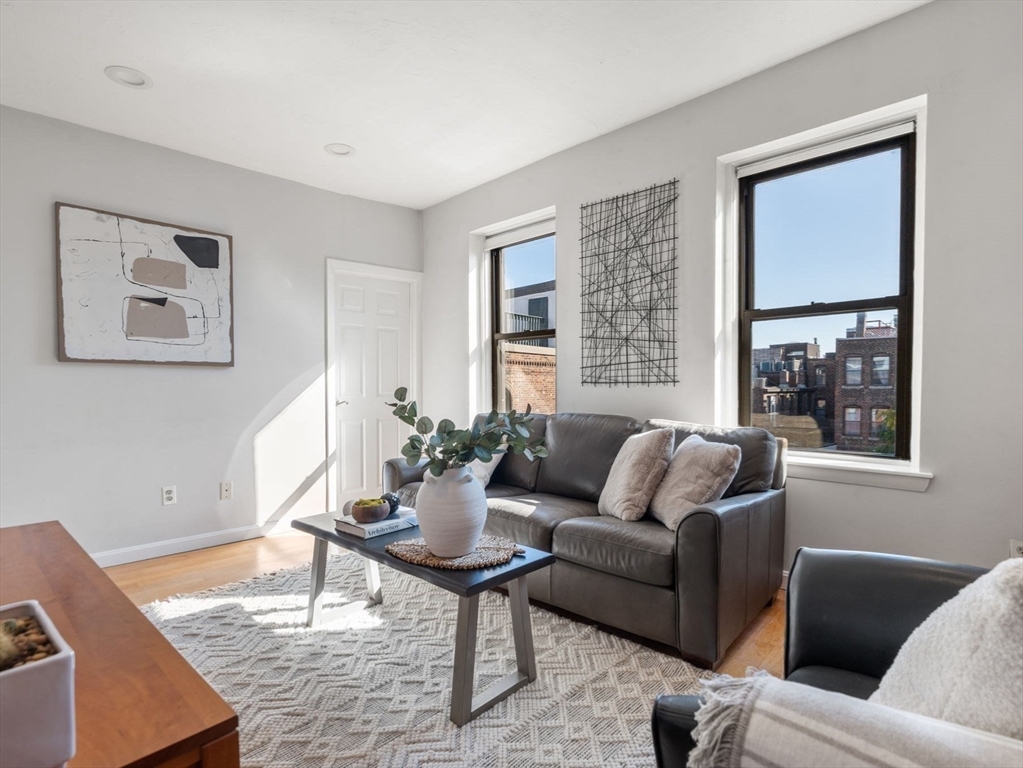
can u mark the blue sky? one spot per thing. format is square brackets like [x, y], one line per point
[831, 234]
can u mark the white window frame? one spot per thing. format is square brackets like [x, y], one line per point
[843, 134]
[481, 242]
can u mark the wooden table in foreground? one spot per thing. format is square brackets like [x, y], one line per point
[137, 701]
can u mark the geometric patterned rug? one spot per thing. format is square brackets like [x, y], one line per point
[373, 688]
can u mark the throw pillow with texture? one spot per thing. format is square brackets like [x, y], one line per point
[484, 470]
[964, 663]
[635, 474]
[699, 473]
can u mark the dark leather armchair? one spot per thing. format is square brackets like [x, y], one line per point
[847, 615]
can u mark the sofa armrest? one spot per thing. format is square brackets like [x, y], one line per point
[854, 610]
[398, 473]
[672, 723]
[728, 566]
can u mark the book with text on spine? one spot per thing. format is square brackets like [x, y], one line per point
[404, 518]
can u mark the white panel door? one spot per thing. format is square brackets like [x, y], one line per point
[373, 357]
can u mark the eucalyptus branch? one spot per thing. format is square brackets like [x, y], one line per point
[448, 447]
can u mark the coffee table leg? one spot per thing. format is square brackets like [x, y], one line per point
[316, 579]
[518, 597]
[465, 706]
[465, 660]
[374, 594]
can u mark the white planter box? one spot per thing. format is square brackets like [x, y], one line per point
[37, 701]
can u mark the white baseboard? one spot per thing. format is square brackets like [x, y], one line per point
[174, 546]
[784, 579]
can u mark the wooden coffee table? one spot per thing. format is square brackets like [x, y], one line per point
[468, 585]
[137, 701]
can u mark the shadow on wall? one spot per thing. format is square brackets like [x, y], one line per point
[290, 470]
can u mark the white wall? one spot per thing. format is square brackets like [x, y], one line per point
[966, 56]
[79, 442]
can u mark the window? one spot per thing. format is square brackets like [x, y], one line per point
[524, 354]
[879, 371]
[826, 266]
[852, 421]
[853, 371]
[877, 421]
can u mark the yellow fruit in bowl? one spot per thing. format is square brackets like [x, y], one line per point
[370, 510]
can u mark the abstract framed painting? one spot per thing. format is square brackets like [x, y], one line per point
[132, 290]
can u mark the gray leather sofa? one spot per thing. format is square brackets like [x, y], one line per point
[695, 589]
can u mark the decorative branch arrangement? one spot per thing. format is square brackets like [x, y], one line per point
[628, 260]
[450, 447]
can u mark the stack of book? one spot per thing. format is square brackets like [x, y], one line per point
[404, 518]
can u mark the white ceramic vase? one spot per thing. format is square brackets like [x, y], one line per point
[451, 510]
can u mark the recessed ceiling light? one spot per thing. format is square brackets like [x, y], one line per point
[339, 150]
[128, 77]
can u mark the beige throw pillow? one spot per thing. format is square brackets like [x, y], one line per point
[964, 664]
[699, 473]
[635, 474]
[484, 470]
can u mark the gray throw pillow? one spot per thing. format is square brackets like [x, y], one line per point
[635, 474]
[964, 664]
[699, 473]
[484, 470]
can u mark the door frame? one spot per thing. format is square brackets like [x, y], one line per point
[335, 268]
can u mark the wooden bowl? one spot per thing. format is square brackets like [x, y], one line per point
[371, 514]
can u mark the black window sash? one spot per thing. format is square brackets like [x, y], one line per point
[902, 303]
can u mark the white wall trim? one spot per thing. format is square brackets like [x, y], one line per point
[332, 268]
[176, 546]
[726, 346]
[527, 226]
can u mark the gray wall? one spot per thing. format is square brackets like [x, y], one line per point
[966, 56]
[81, 442]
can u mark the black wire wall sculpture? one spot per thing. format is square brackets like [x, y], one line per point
[628, 250]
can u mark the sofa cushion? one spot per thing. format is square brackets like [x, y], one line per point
[530, 519]
[837, 680]
[642, 551]
[581, 449]
[759, 451]
[408, 493]
[635, 474]
[496, 491]
[698, 474]
[518, 470]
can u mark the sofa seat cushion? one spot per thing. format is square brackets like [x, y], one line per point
[498, 490]
[838, 680]
[530, 518]
[642, 550]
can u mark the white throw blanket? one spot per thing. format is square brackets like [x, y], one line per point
[763, 722]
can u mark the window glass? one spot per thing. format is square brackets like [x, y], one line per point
[528, 300]
[828, 234]
[879, 371]
[853, 371]
[852, 421]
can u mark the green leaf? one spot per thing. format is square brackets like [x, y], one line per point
[401, 393]
[522, 429]
[436, 441]
[408, 420]
[436, 468]
[412, 460]
[445, 426]
[412, 410]
[540, 452]
[529, 409]
[528, 454]
[483, 454]
[424, 426]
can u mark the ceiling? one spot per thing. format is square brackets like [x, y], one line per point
[436, 97]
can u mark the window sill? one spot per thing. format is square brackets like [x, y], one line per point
[897, 476]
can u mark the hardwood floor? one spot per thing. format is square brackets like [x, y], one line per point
[760, 645]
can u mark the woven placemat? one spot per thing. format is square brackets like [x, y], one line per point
[491, 550]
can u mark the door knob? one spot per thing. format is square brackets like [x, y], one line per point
[341, 402]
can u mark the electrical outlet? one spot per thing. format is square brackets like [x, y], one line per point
[1015, 548]
[226, 491]
[169, 493]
